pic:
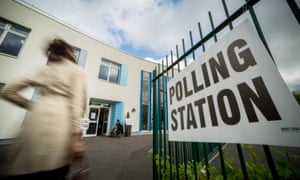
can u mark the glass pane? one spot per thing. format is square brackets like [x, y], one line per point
[115, 66]
[19, 29]
[146, 76]
[2, 23]
[76, 53]
[103, 74]
[104, 62]
[146, 88]
[145, 97]
[1, 31]
[12, 44]
[1, 86]
[145, 117]
[113, 76]
[145, 92]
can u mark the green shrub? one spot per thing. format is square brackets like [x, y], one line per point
[255, 170]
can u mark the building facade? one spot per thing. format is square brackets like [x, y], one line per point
[118, 83]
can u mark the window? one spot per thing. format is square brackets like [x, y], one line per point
[109, 71]
[80, 56]
[1, 86]
[12, 37]
[76, 52]
[145, 100]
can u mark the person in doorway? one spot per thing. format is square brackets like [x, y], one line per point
[118, 129]
[52, 136]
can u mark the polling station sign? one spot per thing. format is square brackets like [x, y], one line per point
[233, 93]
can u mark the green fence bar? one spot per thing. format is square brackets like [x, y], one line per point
[172, 63]
[262, 37]
[167, 62]
[259, 30]
[242, 161]
[195, 159]
[183, 48]
[222, 162]
[201, 36]
[205, 155]
[295, 9]
[212, 25]
[177, 160]
[177, 55]
[239, 147]
[163, 115]
[219, 145]
[270, 162]
[155, 127]
[185, 159]
[192, 44]
[159, 124]
[170, 159]
[227, 13]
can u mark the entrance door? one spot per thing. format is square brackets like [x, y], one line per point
[104, 116]
[103, 121]
[93, 116]
[98, 119]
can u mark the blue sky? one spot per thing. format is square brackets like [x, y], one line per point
[150, 29]
[141, 52]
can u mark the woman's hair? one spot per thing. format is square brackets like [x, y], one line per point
[59, 48]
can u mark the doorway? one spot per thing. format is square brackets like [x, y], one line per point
[103, 121]
[98, 120]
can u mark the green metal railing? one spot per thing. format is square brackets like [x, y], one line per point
[172, 159]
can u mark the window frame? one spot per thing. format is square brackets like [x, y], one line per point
[76, 52]
[14, 29]
[112, 66]
[145, 101]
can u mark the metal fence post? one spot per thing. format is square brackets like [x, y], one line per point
[271, 162]
[219, 145]
[155, 125]
[295, 9]
[239, 147]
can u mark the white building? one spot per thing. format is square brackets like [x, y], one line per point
[117, 81]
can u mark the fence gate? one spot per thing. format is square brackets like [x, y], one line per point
[191, 160]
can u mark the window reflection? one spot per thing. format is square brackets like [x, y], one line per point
[145, 99]
[109, 71]
[12, 44]
[12, 37]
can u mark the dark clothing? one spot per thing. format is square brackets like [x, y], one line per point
[117, 130]
[120, 129]
[57, 174]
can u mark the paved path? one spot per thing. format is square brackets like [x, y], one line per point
[120, 158]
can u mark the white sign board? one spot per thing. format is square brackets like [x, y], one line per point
[233, 93]
[84, 123]
[128, 122]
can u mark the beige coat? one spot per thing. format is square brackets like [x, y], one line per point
[45, 140]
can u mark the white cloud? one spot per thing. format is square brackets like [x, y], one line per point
[158, 25]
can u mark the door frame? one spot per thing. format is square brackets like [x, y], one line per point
[107, 121]
[99, 107]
